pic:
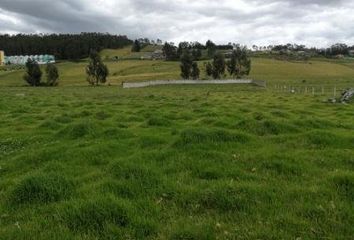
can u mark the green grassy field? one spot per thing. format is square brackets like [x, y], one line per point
[275, 72]
[182, 162]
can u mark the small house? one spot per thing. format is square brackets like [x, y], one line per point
[157, 55]
[2, 58]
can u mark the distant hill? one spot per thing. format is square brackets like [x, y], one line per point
[126, 53]
[63, 46]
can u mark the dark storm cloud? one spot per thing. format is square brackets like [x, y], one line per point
[313, 22]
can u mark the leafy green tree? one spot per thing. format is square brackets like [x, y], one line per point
[33, 73]
[186, 64]
[136, 46]
[182, 47]
[52, 74]
[211, 48]
[96, 71]
[218, 66]
[195, 71]
[239, 65]
[189, 68]
[197, 54]
[170, 52]
[216, 69]
[209, 69]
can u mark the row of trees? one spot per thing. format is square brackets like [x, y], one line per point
[174, 53]
[96, 71]
[332, 51]
[238, 66]
[33, 75]
[63, 46]
[337, 49]
[189, 67]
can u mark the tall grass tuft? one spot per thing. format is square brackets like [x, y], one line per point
[93, 216]
[42, 188]
[198, 135]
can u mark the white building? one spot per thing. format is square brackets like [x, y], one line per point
[21, 60]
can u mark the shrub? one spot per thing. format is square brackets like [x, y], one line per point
[33, 73]
[52, 75]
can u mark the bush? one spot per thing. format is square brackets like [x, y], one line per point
[52, 75]
[33, 73]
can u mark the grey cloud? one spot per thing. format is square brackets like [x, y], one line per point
[312, 22]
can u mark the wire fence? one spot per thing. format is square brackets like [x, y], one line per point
[332, 91]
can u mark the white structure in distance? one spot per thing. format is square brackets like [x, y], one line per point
[22, 60]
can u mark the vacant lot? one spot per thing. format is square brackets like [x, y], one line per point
[182, 162]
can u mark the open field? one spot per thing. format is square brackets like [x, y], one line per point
[177, 162]
[275, 72]
[174, 163]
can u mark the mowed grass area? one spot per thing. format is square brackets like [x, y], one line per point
[185, 162]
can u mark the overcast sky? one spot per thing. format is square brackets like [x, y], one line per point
[261, 22]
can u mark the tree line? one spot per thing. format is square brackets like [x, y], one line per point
[173, 53]
[332, 51]
[62, 46]
[237, 66]
[33, 74]
[96, 71]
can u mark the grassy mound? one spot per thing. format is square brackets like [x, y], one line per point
[198, 136]
[78, 130]
[42, 188]
[95, 215]
[345, 185]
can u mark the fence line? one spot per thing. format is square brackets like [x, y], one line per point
[315, 90]
[192, 82]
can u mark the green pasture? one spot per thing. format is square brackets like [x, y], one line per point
[275, 72]
[177, 162]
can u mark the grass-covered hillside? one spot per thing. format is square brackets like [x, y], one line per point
[313, 72]
[177, 162]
